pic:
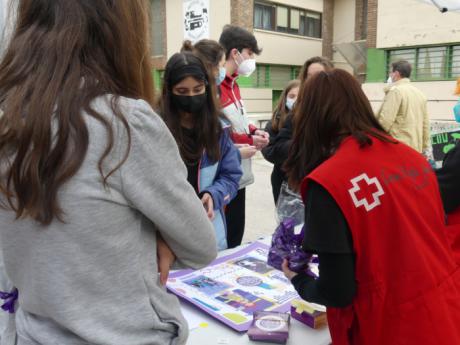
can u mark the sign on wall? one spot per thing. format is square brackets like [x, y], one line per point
[444, 142]
[196, 19]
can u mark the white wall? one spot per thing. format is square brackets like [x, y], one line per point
[439, 94]
[409, 22]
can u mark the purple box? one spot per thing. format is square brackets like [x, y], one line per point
[270, 326]
[312, 315]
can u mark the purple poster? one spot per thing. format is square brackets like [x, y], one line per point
[235, 286]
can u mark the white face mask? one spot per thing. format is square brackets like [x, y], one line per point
[389, 80]
[290, 103]
[246, 67]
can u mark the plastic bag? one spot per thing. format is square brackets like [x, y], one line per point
[286, 244]
[290, 205]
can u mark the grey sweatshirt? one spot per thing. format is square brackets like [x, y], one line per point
[94, 279]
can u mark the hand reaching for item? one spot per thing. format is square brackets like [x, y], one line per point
[262, 133]
[208, 204]
[165, 259]
[287, 272]
[260, 141]
[246, 151]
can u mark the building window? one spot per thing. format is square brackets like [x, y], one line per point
[311, 24]
[432, 63]
[455, 62]
[264, 16]
[157, 26]
[429, 63]
[281, 18]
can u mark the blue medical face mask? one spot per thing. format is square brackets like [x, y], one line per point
[290, 103]
[222, 73]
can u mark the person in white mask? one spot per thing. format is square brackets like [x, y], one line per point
[281, 131]
[282, 111]
[240, 50]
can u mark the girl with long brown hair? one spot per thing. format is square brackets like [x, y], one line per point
[211, 53]
[281, 113]
[85, 191]
[374, 215]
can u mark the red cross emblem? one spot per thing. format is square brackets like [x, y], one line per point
[366, 191]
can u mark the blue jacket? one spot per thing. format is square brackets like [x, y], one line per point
[221, 180]
[457, 111]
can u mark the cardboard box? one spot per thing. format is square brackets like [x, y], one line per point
[270, 326]
[313, 315]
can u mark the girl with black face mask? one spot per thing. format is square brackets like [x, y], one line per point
[188, 106]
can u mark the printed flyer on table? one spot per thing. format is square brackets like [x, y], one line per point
[235, 286]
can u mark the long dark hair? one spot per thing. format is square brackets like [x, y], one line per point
[207, 127]
[209, 51]
[330, 107]
[62, 55]
[281, 111]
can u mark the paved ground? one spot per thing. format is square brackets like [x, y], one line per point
[260, 207]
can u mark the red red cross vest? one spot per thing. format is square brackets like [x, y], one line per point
[454, 217]
[408, 283]
[453, 220]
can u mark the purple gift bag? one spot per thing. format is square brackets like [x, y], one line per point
[288, 245]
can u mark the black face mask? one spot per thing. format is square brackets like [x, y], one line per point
[189, 104]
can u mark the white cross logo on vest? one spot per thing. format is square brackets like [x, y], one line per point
[375, 196]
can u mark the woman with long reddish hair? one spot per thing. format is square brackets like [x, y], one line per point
[86, 191]
[374, 215]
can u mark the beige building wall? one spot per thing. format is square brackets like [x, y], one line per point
[285, 49]
[409, 22]
[280, 49]
[219, 15]
[314, 5]
[439, 95]
[258, 103]
[344, 29]
[174, 26]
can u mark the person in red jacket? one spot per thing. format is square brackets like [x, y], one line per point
[240, 49]
[374, 215]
